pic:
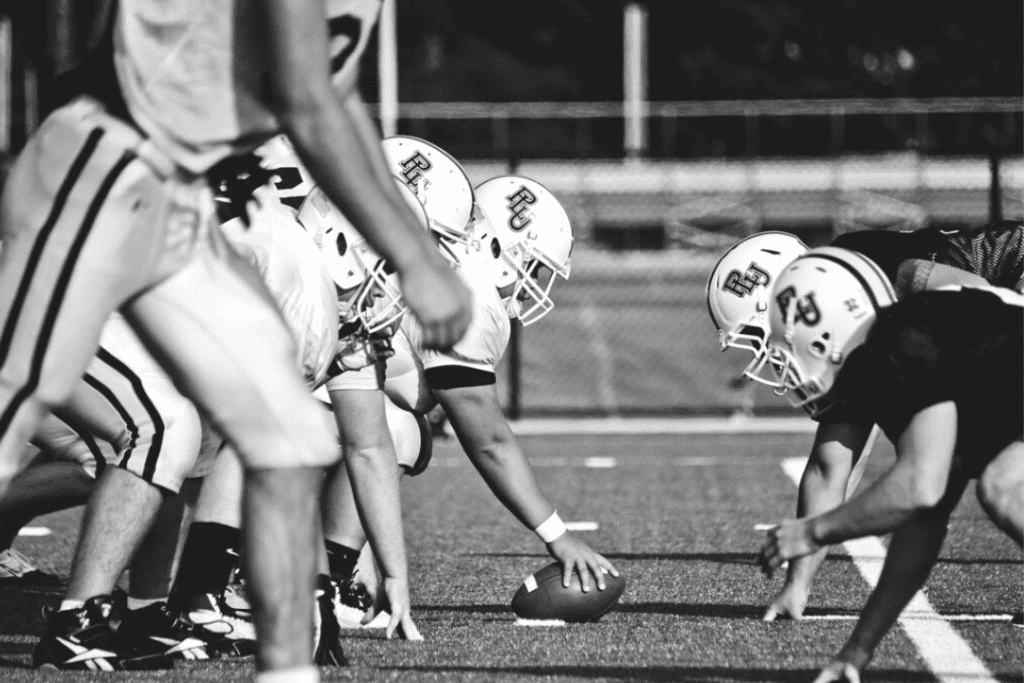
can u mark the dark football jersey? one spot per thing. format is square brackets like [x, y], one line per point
[963, 346]
[994, 251]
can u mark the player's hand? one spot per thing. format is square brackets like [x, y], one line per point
[397, 594]
[839, 672]
[789, 540]
[360, 350]
[440, 301]
[576, 555]
[788, 603]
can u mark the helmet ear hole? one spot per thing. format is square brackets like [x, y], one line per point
[495, 247]
[818, 348]
[342, 244]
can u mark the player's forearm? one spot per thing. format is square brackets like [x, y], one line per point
[508, 474]
[374, 477]
[890, 502]
[328, 143]
[369, 137]
[911, 555]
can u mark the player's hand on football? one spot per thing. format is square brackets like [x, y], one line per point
[440, 301]
[791, 539]
[788, 603]
[839, 672]
[575, 555]
[397, 594]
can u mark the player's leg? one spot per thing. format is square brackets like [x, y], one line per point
[247, 379]
[1001, 491]
[72, 215]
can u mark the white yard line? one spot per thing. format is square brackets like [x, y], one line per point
[603, 357]
[657, 425]
[948, 656]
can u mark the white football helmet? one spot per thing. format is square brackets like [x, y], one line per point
[353, 264]
[738, 291]
[437, 180]
[822, 307]
[532, 230]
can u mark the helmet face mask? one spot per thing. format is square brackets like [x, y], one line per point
[534, 240]
[822, 309]
[738, 293]
[374, 299]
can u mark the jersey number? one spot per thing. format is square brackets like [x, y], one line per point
[350, 27]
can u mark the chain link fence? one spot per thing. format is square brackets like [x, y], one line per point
[631, 334]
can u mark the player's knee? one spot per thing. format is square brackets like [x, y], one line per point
[1001, 488]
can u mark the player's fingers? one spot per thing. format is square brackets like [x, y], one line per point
[410, 631]
[608, 565]
[393, 625]
[567, 570]
[584, 571]
[598, 573]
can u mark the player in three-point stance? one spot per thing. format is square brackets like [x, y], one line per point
[108, 207]
[738, 292]
[940, 373]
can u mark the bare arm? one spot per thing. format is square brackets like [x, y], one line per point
[374, 473]
[476, 417]
[339, 154]
[911, 555]
[822, 488]
[916, 482]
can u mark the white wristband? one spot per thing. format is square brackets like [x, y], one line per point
[551, 528]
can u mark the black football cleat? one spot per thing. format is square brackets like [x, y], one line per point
[351, 602]
[327, 650]
[79, 639]
[154, 638]
[227, 630]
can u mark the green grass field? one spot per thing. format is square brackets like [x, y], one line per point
[677, 515]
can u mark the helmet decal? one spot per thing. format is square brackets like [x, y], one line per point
[519, 208]
[742, 284]
[412, 168]
[803, 309]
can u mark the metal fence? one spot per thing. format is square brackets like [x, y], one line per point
[631, 334]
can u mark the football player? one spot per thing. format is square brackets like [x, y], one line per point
[914, 261]
[518, 244]
[355, 274]
[107, 206]
[940, 373]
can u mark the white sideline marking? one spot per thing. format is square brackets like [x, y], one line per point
[34, 531]
[582, 526]
[539, 622]
[600, 462]
[603, 356]
[912, 615]
[946, 653]
[662, 425]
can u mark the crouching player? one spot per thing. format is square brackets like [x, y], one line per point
[914, 261]
[511, 271]
[940, 373]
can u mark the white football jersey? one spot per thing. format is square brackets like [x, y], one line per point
[194, 73]
[481, 348]
[291, 266]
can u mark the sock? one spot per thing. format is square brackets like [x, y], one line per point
[210, 555]
[342, 560]
[305, 674]
[139, 603]
[65, 605]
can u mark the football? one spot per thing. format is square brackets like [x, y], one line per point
[542, 596]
